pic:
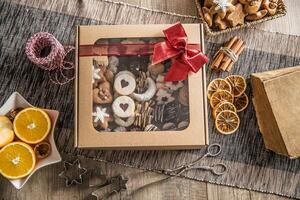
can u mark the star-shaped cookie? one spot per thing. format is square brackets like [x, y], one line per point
[237, 17]
[222, 7]
[101, 116]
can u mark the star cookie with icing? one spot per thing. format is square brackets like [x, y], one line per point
[222, 7]
[100, 117]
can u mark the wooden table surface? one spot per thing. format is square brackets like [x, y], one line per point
[46, 184]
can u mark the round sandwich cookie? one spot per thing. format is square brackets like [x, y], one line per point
[125, 72]
[124, 122]
[123, 106]
[124, 83]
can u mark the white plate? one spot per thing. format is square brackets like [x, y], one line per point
[16, 100]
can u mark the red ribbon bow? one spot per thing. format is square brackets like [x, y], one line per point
[176, 46]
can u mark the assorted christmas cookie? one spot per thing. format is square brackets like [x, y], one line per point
[148, 94]
[124, 122]
[124, 83]
[223, 14]
[222, 7]
[130, 94]
[100, 117]
[123, 106]
[103, 93]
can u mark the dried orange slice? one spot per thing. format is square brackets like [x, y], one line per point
[238, 84]
[227, 122]
[220, 96]
[217, 85]
[241, 102]
[32, 125]
[223, 106]
[17, 160]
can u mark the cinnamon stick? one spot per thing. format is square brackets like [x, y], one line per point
[217, 61]
[229, 67]
[235, 48]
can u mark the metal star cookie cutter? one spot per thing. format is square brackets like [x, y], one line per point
[109, 187]
[67, 174]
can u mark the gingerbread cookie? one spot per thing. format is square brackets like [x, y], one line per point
[157, 69]
[100, 117]
[103, 93]
[208, 3]
[238, 16]
[184, 96]
[243, 1]
[271, 6]
[260, 14]
[124, 83]
[208, 17]
[109, 75]
[221, 23]
[253, 6]
[123, 106]
[222, 7]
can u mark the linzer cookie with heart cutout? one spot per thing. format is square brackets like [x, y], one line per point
[124, 83]
[123, 106]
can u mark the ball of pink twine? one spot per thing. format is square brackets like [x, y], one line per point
[54, 61]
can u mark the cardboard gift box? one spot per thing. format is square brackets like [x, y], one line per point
[276, 101]
[125, 51]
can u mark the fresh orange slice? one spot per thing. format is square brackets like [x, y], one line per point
[241, 102]
[227, 122]
[238, 84]
[17, 160]
[220, 96]
[223, 106]
[217, 85]
[6, 131]
[32, 125]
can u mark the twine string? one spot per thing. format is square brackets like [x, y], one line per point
[46, 52]
[230, 53]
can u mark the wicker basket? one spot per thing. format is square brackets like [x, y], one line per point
[281, 11]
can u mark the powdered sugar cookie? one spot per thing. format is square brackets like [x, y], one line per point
[124, 83]
[113, 63]
[148, 94]
[123, 106]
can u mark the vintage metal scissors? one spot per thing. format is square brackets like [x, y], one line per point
[218, 169]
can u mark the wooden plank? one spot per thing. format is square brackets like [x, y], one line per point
[46, 184]
[217, 192]
[175, 6]
[263, 196]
